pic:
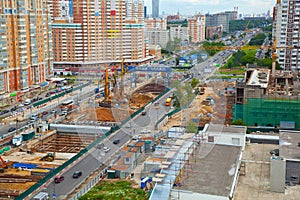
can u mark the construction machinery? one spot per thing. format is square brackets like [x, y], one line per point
[3, 165]
[107, 97]
[49, 157]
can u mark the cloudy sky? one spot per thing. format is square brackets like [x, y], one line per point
[189, 7]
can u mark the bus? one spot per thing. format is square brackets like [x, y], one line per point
[67, 104]
[168, 101]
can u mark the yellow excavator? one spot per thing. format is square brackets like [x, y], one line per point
[49, 157]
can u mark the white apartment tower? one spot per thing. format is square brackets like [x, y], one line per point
[286, 31]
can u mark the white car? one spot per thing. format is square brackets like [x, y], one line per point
[145, 131]
[106, 149]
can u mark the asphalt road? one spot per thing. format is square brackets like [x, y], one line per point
[95, 158]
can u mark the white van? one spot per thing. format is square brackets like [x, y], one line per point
[27, 102]
[41, 196]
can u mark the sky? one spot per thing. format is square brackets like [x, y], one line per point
[190, 7]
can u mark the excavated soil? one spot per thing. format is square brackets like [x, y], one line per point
[141, 99]
[111, 114]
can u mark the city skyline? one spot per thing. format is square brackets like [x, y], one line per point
[191, 7]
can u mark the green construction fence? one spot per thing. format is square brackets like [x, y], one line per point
[268, 112]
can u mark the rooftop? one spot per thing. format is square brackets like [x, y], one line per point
[219, 128]
[215, 166]
[259, 78]
[289, 142]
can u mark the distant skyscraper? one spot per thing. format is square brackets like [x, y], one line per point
[155, 8]
[145, 12]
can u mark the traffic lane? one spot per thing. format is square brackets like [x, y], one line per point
[87, 165]
[4, 129]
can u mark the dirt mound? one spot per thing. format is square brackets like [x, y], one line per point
[140, 99]
[110, 114]
[151, 87]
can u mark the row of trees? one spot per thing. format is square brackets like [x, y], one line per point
[242, 58]
[258, 39]
[241, 25]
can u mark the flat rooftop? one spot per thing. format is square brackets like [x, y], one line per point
[219, 128]
[259, 78]
[289, 142]
[211, 169]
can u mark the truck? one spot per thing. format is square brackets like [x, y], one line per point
[17, 140]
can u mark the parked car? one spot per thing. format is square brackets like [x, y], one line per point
[144, 113]
[11, 129]
[45, 112]
[106, 149]
[116, 141]
[59, 179]
[77, 174]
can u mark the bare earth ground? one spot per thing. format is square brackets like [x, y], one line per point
[255, 184]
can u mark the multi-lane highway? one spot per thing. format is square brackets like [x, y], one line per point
[96, 157]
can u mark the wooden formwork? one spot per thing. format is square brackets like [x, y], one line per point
[66, 143]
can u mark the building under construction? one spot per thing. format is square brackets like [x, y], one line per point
[268, 99]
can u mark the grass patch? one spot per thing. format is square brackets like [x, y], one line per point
[115, 190]
[237, 71]
[226, 77]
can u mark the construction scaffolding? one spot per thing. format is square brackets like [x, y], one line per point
[269, 111]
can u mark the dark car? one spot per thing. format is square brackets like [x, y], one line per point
[48, 94]
[11, 129]
[13, 109]
[144, 113]
[117, 141]
[275, 152]
[58, 179]
[77, 174]
[45, 113]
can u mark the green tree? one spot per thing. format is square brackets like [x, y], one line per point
[194, 82]
[191, 127]
[239, 122]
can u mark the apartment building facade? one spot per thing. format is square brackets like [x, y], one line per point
[156, 32]
[286, 22]
[92, 33]
[218, 19]
[179, 32]
[25, 45]
[196, 28]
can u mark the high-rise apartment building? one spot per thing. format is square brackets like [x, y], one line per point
[155, 8]
[91, 33]
[196, 28]
[25, 45]
[220, 19]
[286, 31]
